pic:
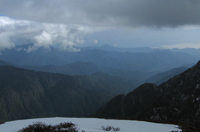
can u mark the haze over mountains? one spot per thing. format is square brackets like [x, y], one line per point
[164, 76]
[136, 64]
[50, 82]
[154, 61]
[64, 58]
[147, 61]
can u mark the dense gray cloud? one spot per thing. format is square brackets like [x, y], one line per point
[125, 13]
[41, 34]
[65, 23]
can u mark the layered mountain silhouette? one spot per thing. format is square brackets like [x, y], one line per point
[30, 94]
[164, 76]
[87, 68]
[174, 101]
[154, 61]
[39, 93]
[108, 47]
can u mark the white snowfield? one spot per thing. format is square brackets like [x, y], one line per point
[93, 125]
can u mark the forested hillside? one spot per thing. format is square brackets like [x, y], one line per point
[30, 94]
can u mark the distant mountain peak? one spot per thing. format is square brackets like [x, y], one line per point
[106, 46]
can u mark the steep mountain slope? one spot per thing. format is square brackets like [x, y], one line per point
[174, 101]
[30, 94]
[179, 98]
[130, 105]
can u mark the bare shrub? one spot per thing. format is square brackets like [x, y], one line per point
[108, 128]
[42, 127]
[116, 129]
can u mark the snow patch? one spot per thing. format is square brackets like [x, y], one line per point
[93, 125]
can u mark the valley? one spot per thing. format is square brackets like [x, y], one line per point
[101, 64]
[89, 89]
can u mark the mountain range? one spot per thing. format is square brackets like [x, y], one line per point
[86, 68]
[30, 94]
[50, 82]
[165, 76]
[107, 47]
[174, 101]
[155, 61]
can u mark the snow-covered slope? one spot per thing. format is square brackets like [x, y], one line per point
[93, 125]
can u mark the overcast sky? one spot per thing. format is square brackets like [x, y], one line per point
[122, 23]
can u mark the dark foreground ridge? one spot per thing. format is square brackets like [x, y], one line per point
[174, 101]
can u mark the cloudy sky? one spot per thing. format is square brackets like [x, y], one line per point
[122, 23]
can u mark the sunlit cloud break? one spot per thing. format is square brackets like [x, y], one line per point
[42, 34]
